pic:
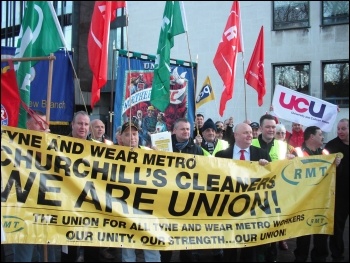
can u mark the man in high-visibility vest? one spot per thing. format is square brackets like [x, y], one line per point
[312, 145]
[208, 141]
[278, 150]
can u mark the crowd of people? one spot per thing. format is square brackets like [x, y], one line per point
[264, 141]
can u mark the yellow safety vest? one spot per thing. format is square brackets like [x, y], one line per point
[221, 145]
[278, 151]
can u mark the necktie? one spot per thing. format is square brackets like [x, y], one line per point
[242, 155]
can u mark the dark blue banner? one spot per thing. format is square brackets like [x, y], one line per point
[62, 94]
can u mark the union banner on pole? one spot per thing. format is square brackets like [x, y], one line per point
[297, 107]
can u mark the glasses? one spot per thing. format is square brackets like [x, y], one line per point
[280, 133]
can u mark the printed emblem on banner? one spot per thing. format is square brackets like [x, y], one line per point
[4, 116]
[317, 220]
[310, 173]
[12, 223]
[206, 91]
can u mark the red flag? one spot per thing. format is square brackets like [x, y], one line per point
[10, 100]
[104, 13]
[225, 57]
[255, 74]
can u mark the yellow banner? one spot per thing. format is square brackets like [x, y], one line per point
[63, 190]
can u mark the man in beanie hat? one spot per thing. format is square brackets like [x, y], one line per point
[209, 143]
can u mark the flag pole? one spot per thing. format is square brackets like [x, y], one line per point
[245, 89]
[111, 112]
[27, 59]
[189, 52]
[193, 78]
[129, 65]
[48, 108]
[49, 88]
[194, 98]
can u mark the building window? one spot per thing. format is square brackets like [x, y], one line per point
[290, 14]
[336, 83]
[335, 12]
[293, 76]
[12, 14]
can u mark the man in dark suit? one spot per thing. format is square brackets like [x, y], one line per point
[243, 149]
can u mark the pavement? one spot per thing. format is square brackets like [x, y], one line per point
[283, 255]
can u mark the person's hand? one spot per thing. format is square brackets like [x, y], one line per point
[230, 121]
[337, 160]
[263, 162]
[198, 140]
[153, 147]
[290, 156]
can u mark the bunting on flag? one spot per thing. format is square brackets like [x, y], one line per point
[173, 23]
[104, 13]
[255, 74]
[206, 94]
[10, 100]
[40, 35]
[225, 57]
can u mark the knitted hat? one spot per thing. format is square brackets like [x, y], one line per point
[209, 124]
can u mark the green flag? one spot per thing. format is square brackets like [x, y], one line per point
[40, 35]
[172, 24]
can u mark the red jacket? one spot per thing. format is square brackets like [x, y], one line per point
[295, 139]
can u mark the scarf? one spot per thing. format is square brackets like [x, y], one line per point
[181, 145]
